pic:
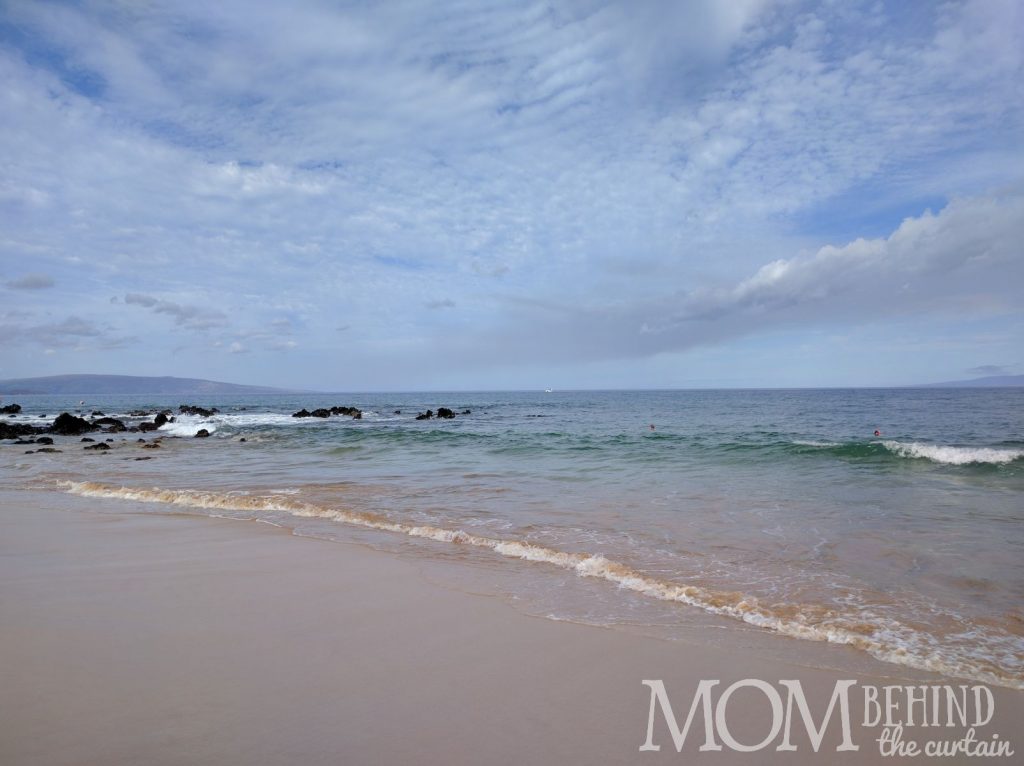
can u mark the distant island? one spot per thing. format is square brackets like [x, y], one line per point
[992, 381]
[127, 384]
[57, 385]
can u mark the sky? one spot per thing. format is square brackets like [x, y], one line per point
[513, 195]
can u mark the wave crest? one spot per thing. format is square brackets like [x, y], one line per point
[938, 453]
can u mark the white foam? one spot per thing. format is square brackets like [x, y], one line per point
[953, 455]
[187, 425]
[885, 639]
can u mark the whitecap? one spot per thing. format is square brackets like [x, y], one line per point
[939, 453]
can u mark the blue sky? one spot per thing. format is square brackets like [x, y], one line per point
[484, 195]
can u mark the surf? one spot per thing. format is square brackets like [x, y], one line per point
[885, 639]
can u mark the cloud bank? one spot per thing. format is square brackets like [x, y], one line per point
[31, 282]
[551, 186]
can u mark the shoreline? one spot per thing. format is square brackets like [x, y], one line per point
[170, 638]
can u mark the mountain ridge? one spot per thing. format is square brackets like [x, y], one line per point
[129, 384]
[990, 381]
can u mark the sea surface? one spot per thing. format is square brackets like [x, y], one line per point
[773, 510]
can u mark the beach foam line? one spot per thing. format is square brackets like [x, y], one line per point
[885, 640]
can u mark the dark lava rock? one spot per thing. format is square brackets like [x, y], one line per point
[98, 414]
[350, 411]
[69, 425]
[425, 415]
[467, 412]
[47, 449]
[147, 426]
[25, 441]
[242, 439]
[190, 409]
[160, 419]
[110, 440]
[16, 430]
[202, 433]
[115, 424]
[444, 412]
[141, 440]
[140, 413]
[102, 446]
[87, 439]
[323, 412]
[10, 409]
[152, 445]
[398, 412]
[44, 440]
[147, 457]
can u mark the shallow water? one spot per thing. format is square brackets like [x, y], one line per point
[774, 509]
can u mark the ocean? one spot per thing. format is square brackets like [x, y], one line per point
[777, 511]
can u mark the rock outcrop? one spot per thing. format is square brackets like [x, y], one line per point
[67, 424]
[442, 412]
[190, 409]
[323, 412]
[17, 430]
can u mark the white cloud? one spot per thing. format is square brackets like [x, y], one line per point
[357, 162]
[970, 249]
[964, 261]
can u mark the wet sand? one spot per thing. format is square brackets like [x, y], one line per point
[171, 639]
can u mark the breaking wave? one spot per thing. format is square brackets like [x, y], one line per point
[891, 449]
[938, 453]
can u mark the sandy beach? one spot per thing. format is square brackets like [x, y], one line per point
[169, 639]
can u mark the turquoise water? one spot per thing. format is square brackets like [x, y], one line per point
[777, 509]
